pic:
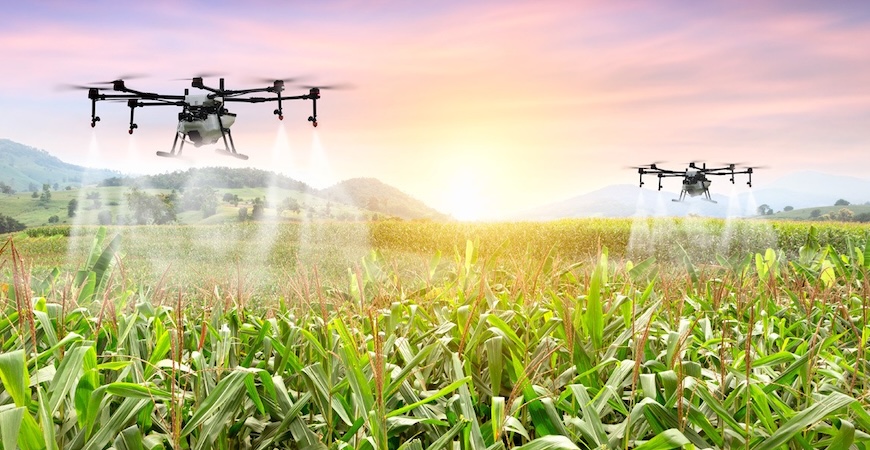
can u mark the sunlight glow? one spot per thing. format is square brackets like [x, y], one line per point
[465, 198]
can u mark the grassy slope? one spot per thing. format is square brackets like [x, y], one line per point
[805, 213]
[32, 213]
[21, 165]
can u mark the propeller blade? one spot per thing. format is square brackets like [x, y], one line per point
[654, 163]
[122, 78]
[340, 86]
[76, 87]
[269, 80]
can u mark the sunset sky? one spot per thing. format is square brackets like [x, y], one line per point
[478, 108]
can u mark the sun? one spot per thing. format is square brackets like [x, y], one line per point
[465, 201]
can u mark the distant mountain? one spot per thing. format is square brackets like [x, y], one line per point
[625, 200]
[23, 167]
[798, 190]
[373, 195]
[810, 189]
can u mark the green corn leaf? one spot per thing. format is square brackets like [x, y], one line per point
[552, 442]
[441, 393]
[135, 390]
[665, 440]
[495, 358]
[817, 412]
[130, 439]
[68, 373]
[123, 415]
[10, 424]
[226, 389]
[15, 377]
[844, 437]
[447, 437]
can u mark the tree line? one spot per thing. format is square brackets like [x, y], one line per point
[213, 177]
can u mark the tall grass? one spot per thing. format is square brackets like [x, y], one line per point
[487, 348]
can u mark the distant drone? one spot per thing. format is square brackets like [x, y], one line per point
[695, 180]
[204, 118]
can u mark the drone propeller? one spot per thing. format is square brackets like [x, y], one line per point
[646, 166]
[199, 75]
[270, 80]
[340, 86]
[744, 165]
[77, 87]
[121, 78]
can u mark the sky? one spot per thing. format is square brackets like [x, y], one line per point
[478, 108]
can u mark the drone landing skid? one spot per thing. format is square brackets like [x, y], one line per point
[168, 155]
[229, 153]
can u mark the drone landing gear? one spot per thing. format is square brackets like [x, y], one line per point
[223, 151]
[229, 144]
[173, 154]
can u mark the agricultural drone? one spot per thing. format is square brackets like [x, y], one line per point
[204, 118]
[695, 180]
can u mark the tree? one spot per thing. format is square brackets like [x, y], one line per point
[151, 209]
[815, 213]
[95, 197]
[289, 203]
[764, 210]
[788, 208]
[203, 198]
[841, 202]
[55, 186]
[54, 219]
[72, 207]
[45, 197]
[6, 189]
[843, 215]
[243, 213]
[232, 199]
[10, 225]
[258, 209]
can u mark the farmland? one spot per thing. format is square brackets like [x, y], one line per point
[666, 333]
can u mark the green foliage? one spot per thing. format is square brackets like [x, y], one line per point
[499, 347]
[9, 225]
[212, 177]
[150, 209]
[72, 207]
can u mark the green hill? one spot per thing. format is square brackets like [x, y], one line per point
[861, 213]
[373, 195]
[26, 168]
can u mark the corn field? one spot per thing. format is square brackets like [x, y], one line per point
[484, 348]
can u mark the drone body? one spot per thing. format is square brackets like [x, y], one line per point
[695, 184]
[695, 181]
[204, 118]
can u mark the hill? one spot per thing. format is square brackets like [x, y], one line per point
[26, 168]
[625, 200]
[861, 213]
[373, 195]
[798, 190]
[283, 198]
